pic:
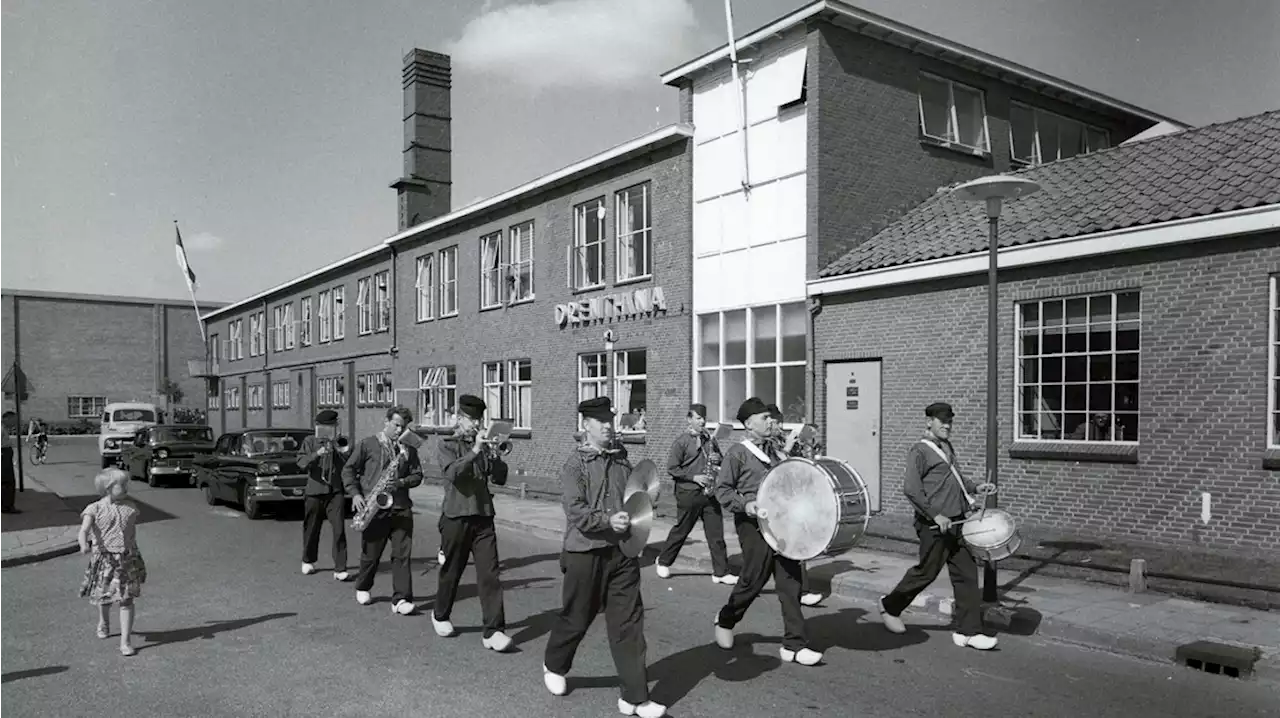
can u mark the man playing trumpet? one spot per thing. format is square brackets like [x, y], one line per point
[466, 523]
[597, 574]
[688, 463]
[322, 457]
[369, 459]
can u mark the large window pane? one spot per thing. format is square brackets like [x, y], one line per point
[709, 393]
[764, 384]
[735, 392]
[791, 398]
[709, 340]
[735, 337]
[793, 332]
[764, 334]
[935, 104]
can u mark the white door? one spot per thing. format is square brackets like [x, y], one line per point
[853, 420]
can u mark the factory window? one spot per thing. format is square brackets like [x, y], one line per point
[586, 256]
[86, 407]
[760, 351]
[508, 392]
[437, 393]
[634, 233]
[953, 114]
[1038, 136]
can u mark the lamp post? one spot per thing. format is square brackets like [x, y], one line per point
[993, 191]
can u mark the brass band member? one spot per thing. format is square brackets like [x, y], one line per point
[322, 458]
[687, 462]
[940, 495]
[597, 575]
[778, 436]
[745, 465]
[466, 523]
[368, 460]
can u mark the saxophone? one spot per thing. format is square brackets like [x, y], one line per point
[381, 492]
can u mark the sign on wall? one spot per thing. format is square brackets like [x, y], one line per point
[637, 303]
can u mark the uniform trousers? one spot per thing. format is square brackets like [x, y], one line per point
[759, 561]
[602, 579]
[460, 538]
[694, 505]
[936, 549]
[317, 508]
[395, 527]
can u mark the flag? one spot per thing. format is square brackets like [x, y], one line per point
[182, 261]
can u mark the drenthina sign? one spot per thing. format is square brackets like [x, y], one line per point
[637, 303]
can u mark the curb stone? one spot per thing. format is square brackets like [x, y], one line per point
[43, 554]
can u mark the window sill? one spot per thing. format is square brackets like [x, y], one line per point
[592, 288]
[521, 434]
[424, 320]
[636, 438]
[1075, 451]
[448, 316]
[633, 280]
[955, 147]
[1271, 459]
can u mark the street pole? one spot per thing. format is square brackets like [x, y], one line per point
[990, 582]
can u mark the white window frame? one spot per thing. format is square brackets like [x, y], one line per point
[1020, 382]
[1037, 153]
[255, 399]
[517, 291]
[622, 374]
[447, 266]
[325, 300]
[576, 257]
[215, 401]
[953, 119]
[494, 270]
[425, 285]
[794, 416]
[280, 394]
[382, 301]
[1273, 401]
[304, 335]
[237, 339]
[590, 387]
[626, 236]
[609, 383]
[233, 397]
[290, 328]
[364, 306]
[329, 392]
[253, 335]
[437, 394]
[277, 329]
[215, 351]
[339, 312]
[96, 404]
[502, 392]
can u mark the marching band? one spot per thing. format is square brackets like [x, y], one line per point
[600, 574]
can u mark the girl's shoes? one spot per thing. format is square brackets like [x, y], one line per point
[103, 630]
[127, 650]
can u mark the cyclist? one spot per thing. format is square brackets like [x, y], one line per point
[38, 430]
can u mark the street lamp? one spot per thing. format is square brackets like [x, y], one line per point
[993, 191]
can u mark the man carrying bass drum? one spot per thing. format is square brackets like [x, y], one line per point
[940, 496]
[808, 597]
[745, 465]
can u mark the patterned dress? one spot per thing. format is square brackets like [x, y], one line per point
[116, 571]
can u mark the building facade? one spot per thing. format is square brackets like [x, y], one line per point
[840, 121]
[79, 352]
[573, 285]
[1137, 339]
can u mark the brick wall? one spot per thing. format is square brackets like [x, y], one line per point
[1203, 393]
[867, 161]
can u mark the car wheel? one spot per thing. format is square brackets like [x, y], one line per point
[209, 498]
[252, 507]
[152, 479]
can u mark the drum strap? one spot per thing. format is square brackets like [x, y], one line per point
[955, 473]
[757, 451]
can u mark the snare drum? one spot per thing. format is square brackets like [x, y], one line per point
[813, 507]
[991, 535]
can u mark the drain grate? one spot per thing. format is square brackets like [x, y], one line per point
[1220, 659]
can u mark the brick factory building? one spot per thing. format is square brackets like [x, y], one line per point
[509, 298]
[1137, 338]
[79, 352]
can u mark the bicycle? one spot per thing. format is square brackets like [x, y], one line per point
[40, 453]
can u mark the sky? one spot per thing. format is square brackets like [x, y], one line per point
[271, 131]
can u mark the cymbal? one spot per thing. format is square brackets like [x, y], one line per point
[640, 508]
[644, 477]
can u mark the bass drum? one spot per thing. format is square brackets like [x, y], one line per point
[813, 508]
[991, 535]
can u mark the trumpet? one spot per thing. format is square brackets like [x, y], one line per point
[496, 447]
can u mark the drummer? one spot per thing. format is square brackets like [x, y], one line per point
[743, 469]
[808, 597]
[940, 496]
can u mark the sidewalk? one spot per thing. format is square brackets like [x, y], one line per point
[1145, 625]
[46, 528]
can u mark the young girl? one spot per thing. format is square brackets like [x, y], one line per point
[116, 571]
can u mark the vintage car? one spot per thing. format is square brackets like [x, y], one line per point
[120, 422]
[253, 468]
[165, 451]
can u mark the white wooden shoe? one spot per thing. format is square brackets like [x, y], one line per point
[891, 622]
[980, 641]
[724, 637]
[440, 557]
[812, 599]
[308, 569]
[554, 682]
[662, 571]
[444, 629]
[499, 642]
[728, 579]
[648, 709]
[403, 607]
[363, 598]
[804, 656]
[341, 576]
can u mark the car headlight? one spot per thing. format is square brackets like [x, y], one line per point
[110, 443]
[269, 468]
[162, 453]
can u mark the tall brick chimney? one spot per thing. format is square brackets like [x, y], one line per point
[423, 192]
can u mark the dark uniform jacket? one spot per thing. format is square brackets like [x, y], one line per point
[364, 468]
[740, 475]
[929, 485]
[467, 476]
[593, 485]
[687, 459]
[321, 481]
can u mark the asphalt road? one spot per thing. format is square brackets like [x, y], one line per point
[228, 627]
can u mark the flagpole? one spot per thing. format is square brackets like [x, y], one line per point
[191, 289]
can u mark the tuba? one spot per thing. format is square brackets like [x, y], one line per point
[380, 495]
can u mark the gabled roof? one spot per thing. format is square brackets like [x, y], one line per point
[919, 41]
[1213, 169]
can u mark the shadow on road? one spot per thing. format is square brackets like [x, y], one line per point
[470, 590]
[32, 673]
[156, 639]
[845, 629]
[146, 512]
[678, 674]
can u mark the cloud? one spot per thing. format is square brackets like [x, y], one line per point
[203, 242]
[577, 42]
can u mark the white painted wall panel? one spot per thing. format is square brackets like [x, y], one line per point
[789, 198]
[715, 110]
[774, 79]
[706, 227]
[790, 151]
[717, 167]
[734, 222]
[735, 287]
[706, 280]
[776, 272]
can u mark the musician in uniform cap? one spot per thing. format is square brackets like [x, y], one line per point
[940, 496]
[597, 574]
[808, 597]
[466, 523]
[745, 466]
[369, 459]
[322, 460]
[687, 463]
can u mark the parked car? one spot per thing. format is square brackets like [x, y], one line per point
[165, 451]
[120, 422]
[255, 468]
